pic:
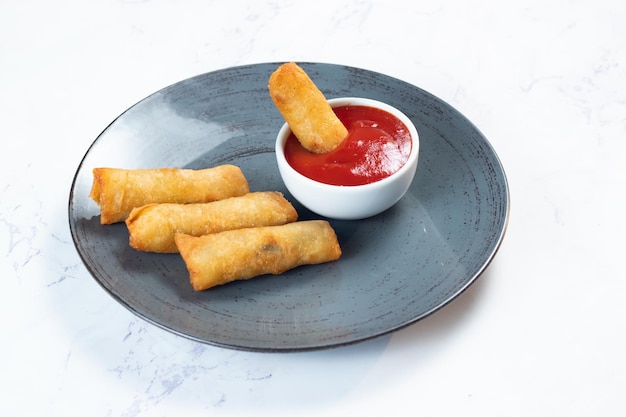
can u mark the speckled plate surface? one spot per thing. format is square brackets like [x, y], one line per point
[396, 268]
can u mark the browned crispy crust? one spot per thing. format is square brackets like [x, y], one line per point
[305, 109]
[117, 191]
[241, 254]
[152, 227]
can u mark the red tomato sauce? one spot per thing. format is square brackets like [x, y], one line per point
[378, 144]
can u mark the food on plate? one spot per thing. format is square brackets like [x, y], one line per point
[117, 191]
[305, 109]
[240, 254]
[152, 227]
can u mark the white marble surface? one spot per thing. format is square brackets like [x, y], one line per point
[541, 333]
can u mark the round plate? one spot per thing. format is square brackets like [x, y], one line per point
[396, 268]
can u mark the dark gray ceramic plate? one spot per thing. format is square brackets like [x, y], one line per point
[396, 268]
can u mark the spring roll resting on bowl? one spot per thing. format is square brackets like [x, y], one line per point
[242, 254]
[117, 191]
[152, 227]
[305, 109]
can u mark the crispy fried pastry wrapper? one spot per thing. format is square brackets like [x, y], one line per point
[152, 227]
[305, 109]
[117, 191]
[241, 254]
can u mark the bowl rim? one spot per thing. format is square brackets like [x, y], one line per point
[285, 130]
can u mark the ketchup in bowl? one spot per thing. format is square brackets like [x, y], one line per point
[370, 171]
[378, 144]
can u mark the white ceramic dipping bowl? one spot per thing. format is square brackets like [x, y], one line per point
[350, 202]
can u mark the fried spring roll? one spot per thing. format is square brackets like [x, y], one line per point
[152, 227]
[241, 254]
[305, 109]
[118, 191]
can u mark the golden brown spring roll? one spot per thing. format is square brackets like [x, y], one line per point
[241, 254]
[152, 227]
[305, 109]
[117, 191]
